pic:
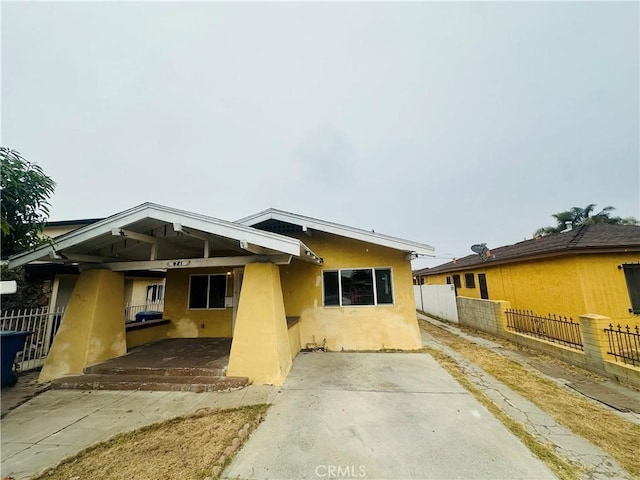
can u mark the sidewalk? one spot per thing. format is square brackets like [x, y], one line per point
[26, 388]
[537, 422]
[58, 423]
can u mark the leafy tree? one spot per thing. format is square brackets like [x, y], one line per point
[584, 216]
[24, 202]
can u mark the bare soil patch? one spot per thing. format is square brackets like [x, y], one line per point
[616, 436]
[191, 447]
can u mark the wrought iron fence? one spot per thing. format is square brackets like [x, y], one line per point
[132, 310]
[624, 343]
[44, 325]
[553, 328]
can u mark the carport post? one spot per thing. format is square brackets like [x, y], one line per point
[260, 347]
[92, 328]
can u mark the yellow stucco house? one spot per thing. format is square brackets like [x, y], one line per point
[274, 282]
[591, 269]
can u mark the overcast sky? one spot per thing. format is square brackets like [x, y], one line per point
[444, 123]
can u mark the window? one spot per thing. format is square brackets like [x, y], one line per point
[632, 276]
[207, 291]
[448, 280]
[482, 281]
[456, 281]
[469, 280]
[357, 286]
[155, 293]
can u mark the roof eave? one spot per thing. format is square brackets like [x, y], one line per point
[526, 258]
[341, 230]
[269, 240]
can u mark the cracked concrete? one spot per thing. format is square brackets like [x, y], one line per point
[381, 416]
[596, 463]
[618, 399]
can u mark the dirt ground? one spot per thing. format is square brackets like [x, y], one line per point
[197, 446]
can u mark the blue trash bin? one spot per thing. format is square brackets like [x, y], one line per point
[11, 343]
[148, 315]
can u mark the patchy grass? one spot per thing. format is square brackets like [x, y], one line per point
[614, 435]
[563, 469]
[193, 447]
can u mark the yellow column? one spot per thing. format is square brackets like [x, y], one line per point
[92, 329]
[594, 340]
[260, 349]
[501, 324]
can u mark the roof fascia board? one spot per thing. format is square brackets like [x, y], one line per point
[223, 228]
[71, 238]
[308, 255]
[527, 258]
[337, 229]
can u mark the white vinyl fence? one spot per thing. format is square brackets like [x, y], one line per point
[42, 323]
[437, 300]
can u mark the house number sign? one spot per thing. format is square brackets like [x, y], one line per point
[178, 263]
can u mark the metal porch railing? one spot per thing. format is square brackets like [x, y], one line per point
[44, 325]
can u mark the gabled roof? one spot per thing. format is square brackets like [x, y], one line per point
[262, 219]
[584, 239]
[151, 222]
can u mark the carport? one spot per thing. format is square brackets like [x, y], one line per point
[223, 280]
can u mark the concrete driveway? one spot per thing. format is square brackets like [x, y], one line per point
[382, 416]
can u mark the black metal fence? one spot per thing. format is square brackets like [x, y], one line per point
[553, 328]
[624, 343]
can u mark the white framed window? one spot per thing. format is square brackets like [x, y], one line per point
[357, 286]
[207, 291]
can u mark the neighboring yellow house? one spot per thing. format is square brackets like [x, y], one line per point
[275, 282]
[56, 229]
[591, 269]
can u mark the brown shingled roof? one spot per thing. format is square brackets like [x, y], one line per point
[581, 239]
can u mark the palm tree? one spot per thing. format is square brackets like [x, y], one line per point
[578, 216]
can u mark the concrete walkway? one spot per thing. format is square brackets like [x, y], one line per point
[58, 423]
[595, 462]
[382, 416]
[623, 401]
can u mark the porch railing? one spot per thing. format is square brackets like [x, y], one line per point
[44, 325]
[624, 343]
[132, 310]
[553, 328]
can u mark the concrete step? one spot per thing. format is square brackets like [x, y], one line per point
[161, 383]
[106, 369]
